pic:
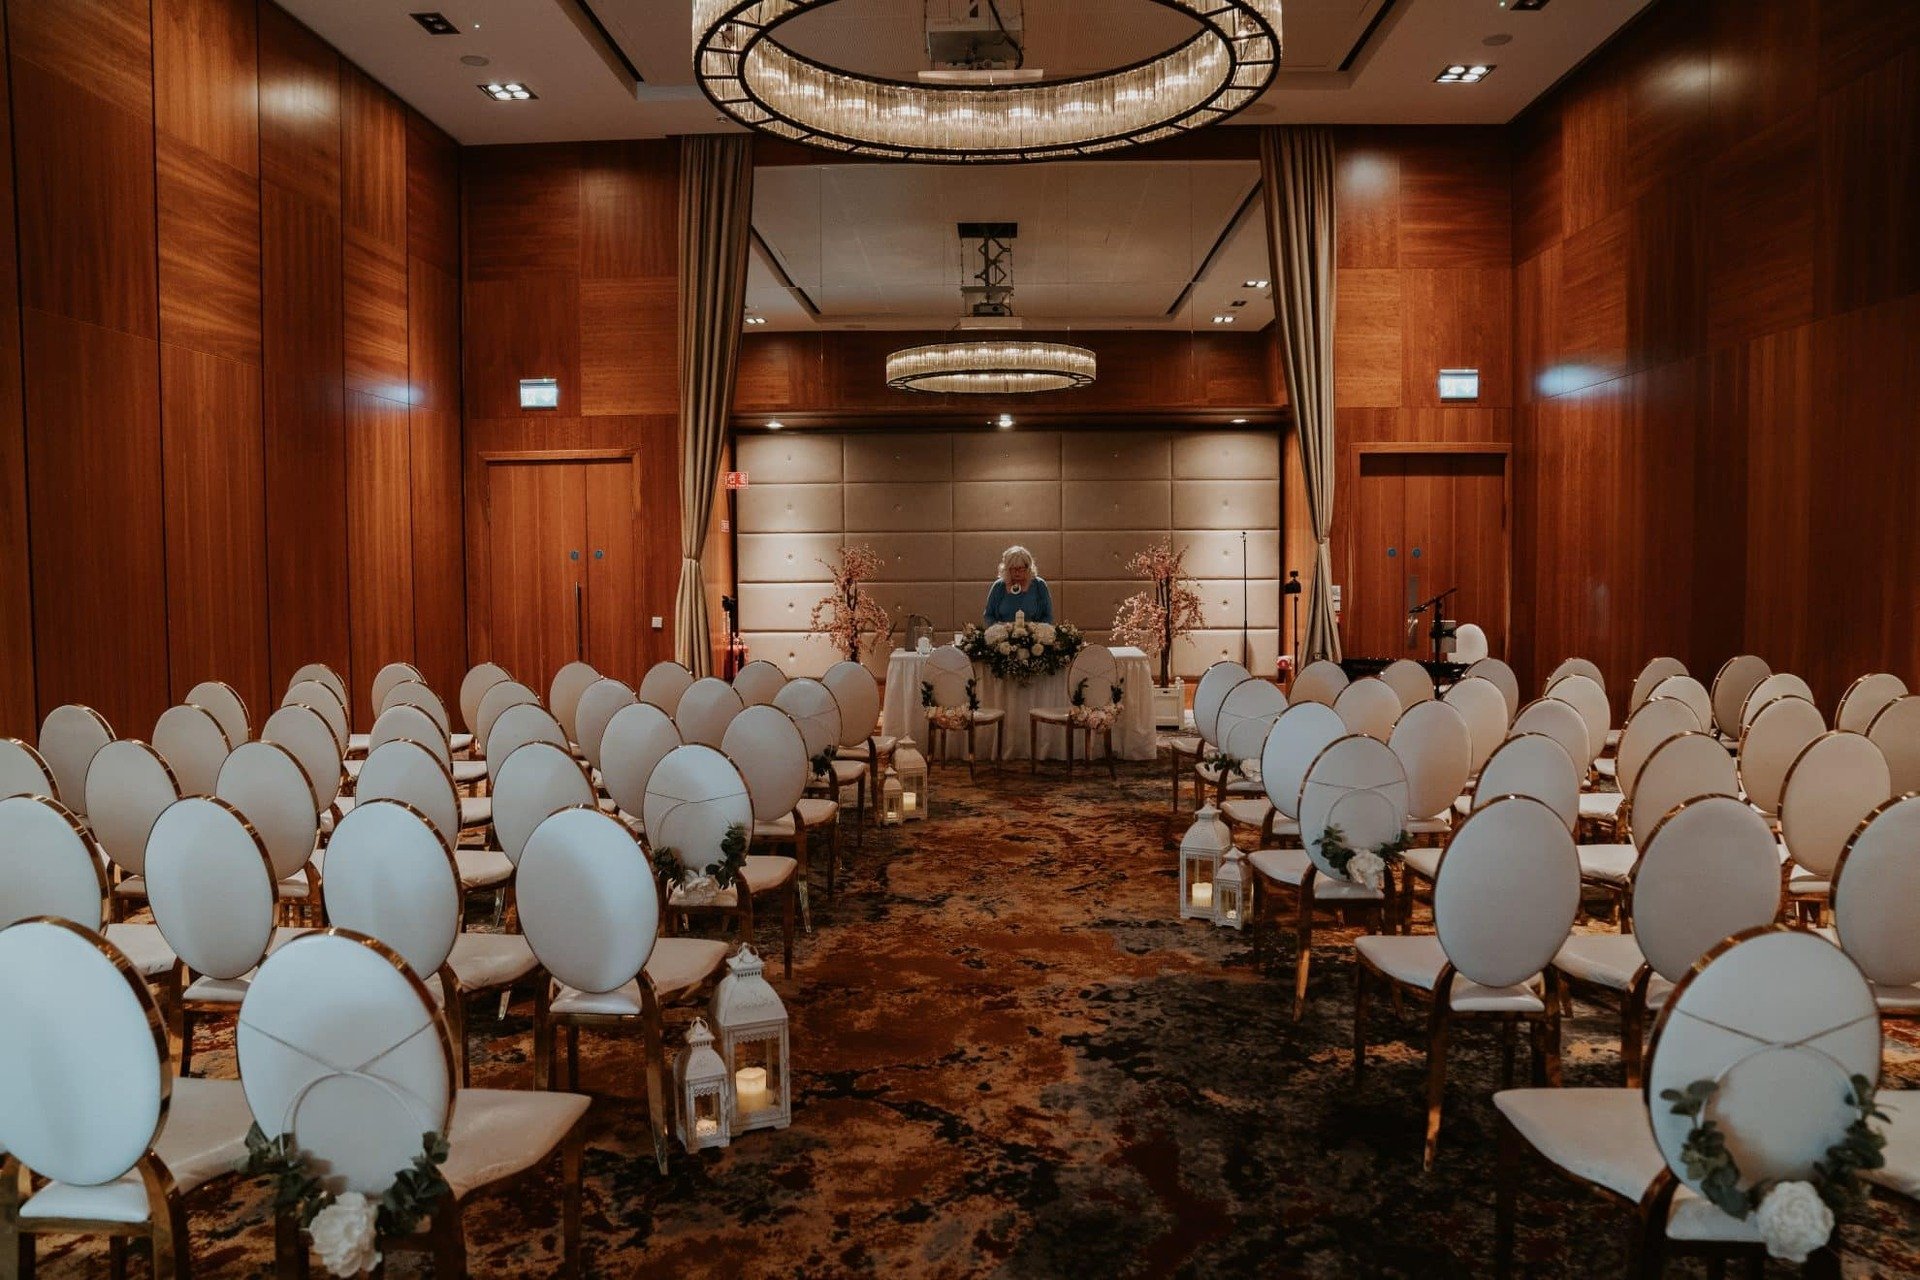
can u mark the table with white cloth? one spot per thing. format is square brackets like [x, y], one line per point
[1133, 734]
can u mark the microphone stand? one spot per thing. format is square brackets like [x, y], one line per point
[1246, 645]
[1437, 632]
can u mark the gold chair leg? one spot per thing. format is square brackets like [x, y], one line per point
[289, 1248]
[1113, 771]
[1303, 940]
[1033, 745]
[653, 1037]
[542, 1033]
[786, 931]
[16, 1246]
[1359, 1019]
[1505, 1198]
[573, 1058]
[1437, 1064]
[570, 1196]
[449, 1241]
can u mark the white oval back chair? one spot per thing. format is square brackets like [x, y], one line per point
[1298, 736]
[1678, 769]
[694, 796]
[1533, 765]
[858, 695]
[304, 733]
[408, 723]
[1656, 670]
[319, 695]
[494, 703]
[638, 738]
[1318, 681]
[1875, 886]
[224, 701]
[1684, 688]
[758, 681]
[415, 694]
[1409, 680]
[1435, 747]
[1731, 685]
[518, 725]
[473, 691]
[1657, 720]
[1587, 696]
[813, 708]
[69, 737]
[1575, 667]
[1469, 643]
[415, 775]
[39, 876]
[1503, 679]
[194, 745]
[386, 677]
[599, 703]
[1833, 784]
[23, 772]
[706, 709]
[563, 694]
[265, 782]
[538, 779]
[323, 673]
[1248, 711]
[770, 752]
[1368, 706]
[1211, 691]
[664, 685]
[1896, 731]
[1781, 684]
[1771, 743]
[128, 787]
[1562, 722]
[1485, 709]
[1864, 698]
[1358, 785]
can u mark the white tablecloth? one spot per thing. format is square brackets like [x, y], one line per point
[1133, 736]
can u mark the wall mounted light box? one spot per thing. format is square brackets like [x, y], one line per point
[539, 393]
[1459, 384]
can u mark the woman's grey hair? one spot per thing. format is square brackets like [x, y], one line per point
[1015, 556]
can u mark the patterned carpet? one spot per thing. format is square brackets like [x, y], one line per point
[1013, 1062]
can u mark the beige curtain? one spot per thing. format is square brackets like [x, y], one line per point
[1296, 166]
[716, 209]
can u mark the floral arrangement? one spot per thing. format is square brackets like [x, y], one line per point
[700, 887]
[346, 1229]
[1165, 611]
[1795, 1218]
[949, 717]
[848, 616]
[1095, 717]
[1366, 867]
[1020, 650]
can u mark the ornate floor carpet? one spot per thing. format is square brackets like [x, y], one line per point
[1012, 1061]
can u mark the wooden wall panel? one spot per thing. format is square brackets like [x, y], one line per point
[18, 707]
[1733, 272]
[379, 541]
[373, 131]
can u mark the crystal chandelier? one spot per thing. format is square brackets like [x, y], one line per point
[989, 115]
[997, 363]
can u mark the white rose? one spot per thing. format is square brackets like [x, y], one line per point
[1366, 868]
[1045, 633]
[1794, 1221]
[344, 1234]
[996, 633]
[1039, 649]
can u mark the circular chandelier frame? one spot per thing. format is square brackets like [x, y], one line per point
[991, 366]
[738, 66]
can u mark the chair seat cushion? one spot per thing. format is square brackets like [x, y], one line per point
[458, 742]
[1805, 884]
[469, 771]
[496, 1133]
[882, 744]
[1901, 1172]
[1600, 804]
[1607, 863]
[359, 742]
[1424, 862]
[294, 887]
[482, 868]
[989, 715]
[680, 965]
[1417, 961]
[143, 947]
[204, 1133]
[482, 960]
[819, 811]
[1049, 715]
[621, 1002]
[1610, 960]
[847, 771]
[1600, 1136]
[1288, 866]
[1248, 811]
[1607, 768]
[1898, 1000]
[476, 811]
[1438, 825]
[131, 887]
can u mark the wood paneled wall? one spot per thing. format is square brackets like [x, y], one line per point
[1717, 254]
[841, 375]
[572, 272]
[225, 355]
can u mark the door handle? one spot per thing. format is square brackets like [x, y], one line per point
[579, 621]
[599, 553]
[1392, 552]
[573, 555]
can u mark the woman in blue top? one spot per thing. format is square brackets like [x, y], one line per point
[1020, 589]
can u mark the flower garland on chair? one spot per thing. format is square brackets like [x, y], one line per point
[346, 1229]
[949, 717]
[1367, 867]
[1095, 718]
[698, 888]
[1795, 1218]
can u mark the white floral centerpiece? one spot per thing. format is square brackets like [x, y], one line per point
[1021, 650]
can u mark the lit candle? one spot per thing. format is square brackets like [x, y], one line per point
[750, 1089]
[705, 1128]
[912, 801]
[1203, 894]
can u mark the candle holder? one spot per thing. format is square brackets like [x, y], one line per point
[753, 1044]
[706, 1092]
[892, 800]
[1230, 891]
[912, 767]
[1207, 841]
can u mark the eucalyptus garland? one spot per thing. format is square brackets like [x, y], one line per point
[1226, 766]
[1710, 1164]
[414, 1195]
[928, 701]
[733, 856]
[1079, 695]
[1333, 848]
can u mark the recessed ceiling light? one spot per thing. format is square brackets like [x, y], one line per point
[1523, 6]
[756, 319]
[1004, 421]
[1464, 73]
[1223, 319]
[507, 91]
[1253, 284]
[1239, 422]
[436, 24]
[774, 424]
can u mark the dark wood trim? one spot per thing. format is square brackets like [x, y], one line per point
[1432, 446]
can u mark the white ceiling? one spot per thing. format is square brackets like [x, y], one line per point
[1101, 245]
[581, 96]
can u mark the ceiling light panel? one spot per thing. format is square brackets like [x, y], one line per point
[507, 91]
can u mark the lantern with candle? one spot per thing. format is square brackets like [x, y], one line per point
[1206, 842]
[753, 1044]
[912, 767]
[1230, 891]
[891, 800]
[706, 1092]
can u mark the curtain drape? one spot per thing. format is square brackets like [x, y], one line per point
[716, 209]
[1296, 167]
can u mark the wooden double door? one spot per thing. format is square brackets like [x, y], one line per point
[1423, 522]
[562, 578]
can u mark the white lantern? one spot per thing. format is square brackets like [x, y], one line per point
[890, 800]
[1230, 891]
[1206, 842]
[912, 767]
[753, 1044]
[706, 1092]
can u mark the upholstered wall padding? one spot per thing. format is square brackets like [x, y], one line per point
[940, 507]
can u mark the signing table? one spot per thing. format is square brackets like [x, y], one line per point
[1133, 736]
